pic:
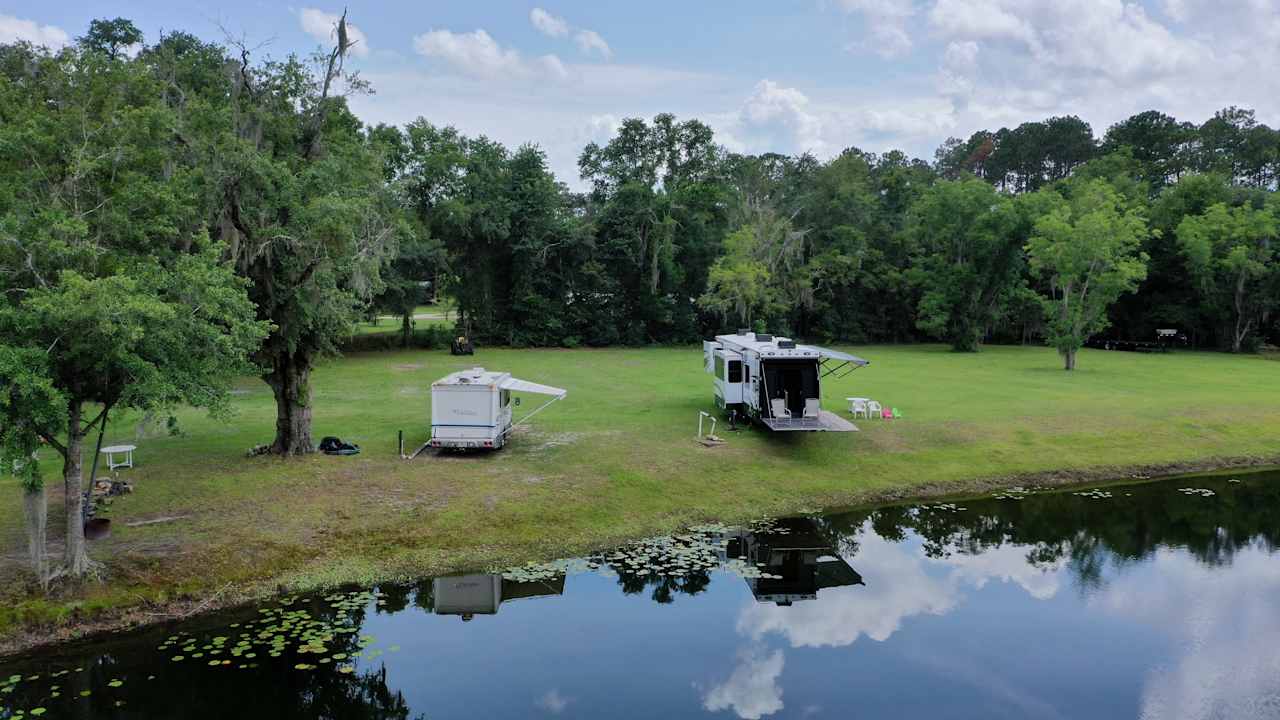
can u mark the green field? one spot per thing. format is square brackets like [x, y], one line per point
[615, 460]
[424, 316]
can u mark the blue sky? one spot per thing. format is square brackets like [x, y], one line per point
[787, 75]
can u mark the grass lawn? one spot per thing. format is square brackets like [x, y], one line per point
[616, 459]
[424, 316]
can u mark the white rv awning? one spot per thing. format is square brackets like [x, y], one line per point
[519, 385]
[837, 355]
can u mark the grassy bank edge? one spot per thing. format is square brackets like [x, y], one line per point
[41, 622]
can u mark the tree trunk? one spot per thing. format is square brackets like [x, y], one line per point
[1069, 359]
[290, 383]
[76, 558]
[406, 330]
[1237, 338]
[36, 510]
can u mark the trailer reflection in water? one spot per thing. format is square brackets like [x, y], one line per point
[796, 562]
[471, 595]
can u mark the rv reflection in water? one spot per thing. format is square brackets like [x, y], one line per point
[471, 595]
[797, 560]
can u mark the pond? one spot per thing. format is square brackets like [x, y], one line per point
[1154, 600]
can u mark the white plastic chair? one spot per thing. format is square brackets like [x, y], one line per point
[778, 407]
[873, 409]
[811, 406]
[857, 405]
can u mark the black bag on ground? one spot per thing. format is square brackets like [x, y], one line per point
[334, 446]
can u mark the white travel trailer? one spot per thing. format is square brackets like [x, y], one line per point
[472, 408]
[775, 381]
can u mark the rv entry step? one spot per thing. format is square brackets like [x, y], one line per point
[825, 422]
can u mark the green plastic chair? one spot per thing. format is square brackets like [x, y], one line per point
[897, 415]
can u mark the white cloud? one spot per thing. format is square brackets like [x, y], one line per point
[478, 55]
[589, 41]
[887, 21]
[548, 24]
[771, 108]
[323, 26]
[956, 77]
[1176, 10]
[14, 29]
[561, 116]
[1225, 628]
[981, 20]
[752, 689]
[552, 701]
[1005, 62]
[1112, 38]
[1007, 563]
[961, 56]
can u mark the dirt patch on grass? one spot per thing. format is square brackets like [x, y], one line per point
[532, 441]
[886, 440]
[408, 367]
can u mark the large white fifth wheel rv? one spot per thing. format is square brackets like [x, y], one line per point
[775, 381]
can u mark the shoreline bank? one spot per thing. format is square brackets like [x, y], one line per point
[411, 564]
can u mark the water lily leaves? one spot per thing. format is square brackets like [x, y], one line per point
[115, 683]
[178, 658]
[86, 693]
[346, 669]
[38, 711]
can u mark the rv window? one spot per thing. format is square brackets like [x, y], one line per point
[506, 398]
[735, 371]
[719, 366]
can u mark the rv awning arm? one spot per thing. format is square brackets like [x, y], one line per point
[833, 361]
[530, 387]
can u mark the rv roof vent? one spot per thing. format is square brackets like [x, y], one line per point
[761, 337]
[787, 344]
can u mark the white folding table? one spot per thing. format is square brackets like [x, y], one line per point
[113, 450]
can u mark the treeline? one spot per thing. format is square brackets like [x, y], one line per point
[675, 238]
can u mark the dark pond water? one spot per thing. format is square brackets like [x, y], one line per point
[1157, 600]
